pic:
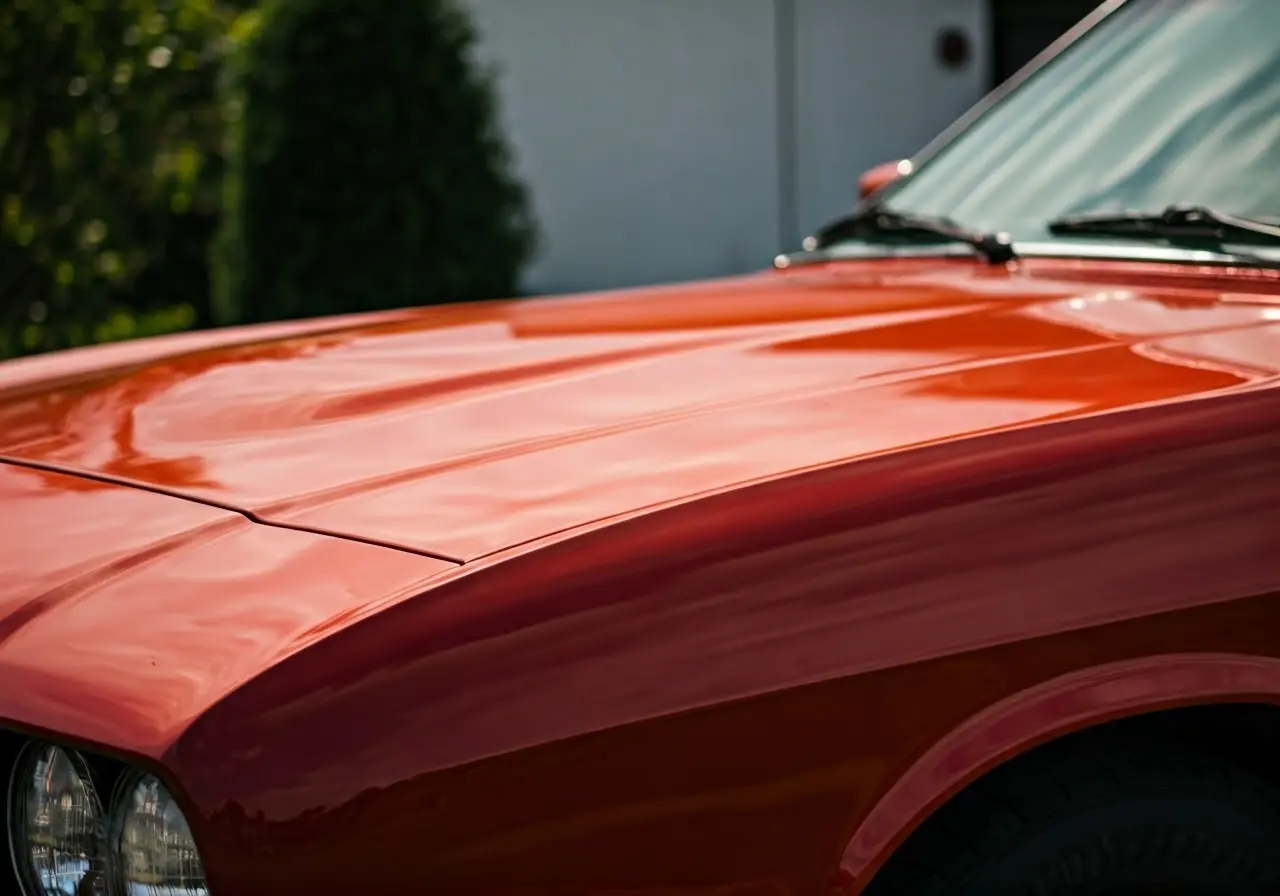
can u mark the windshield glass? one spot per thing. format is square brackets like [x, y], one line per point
[1165, 102]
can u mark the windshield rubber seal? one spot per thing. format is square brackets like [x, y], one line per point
[1030, 249]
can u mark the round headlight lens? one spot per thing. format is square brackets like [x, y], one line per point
[56, 828]
[157, 852]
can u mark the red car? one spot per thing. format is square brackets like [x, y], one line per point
[941, 558]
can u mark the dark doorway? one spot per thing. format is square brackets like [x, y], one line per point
[1022, 28]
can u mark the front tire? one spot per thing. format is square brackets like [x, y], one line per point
[1083, 818]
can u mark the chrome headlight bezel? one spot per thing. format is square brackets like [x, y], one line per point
[121, 803]
[16, 812]
[99, 775]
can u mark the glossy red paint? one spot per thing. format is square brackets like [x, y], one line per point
[460, 432]
[1038, 714]
[716, 538]
[879, 176]
[124, 614]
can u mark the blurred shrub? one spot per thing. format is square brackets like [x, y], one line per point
[108, 128]
[367, 169]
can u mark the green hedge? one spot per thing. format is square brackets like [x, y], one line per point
[366, 169]
[373, 172]
[109, 180]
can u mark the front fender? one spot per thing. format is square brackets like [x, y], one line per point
[1034, 716]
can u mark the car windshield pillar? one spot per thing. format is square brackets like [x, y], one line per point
[1162, 104]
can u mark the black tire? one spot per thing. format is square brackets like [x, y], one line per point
[1084, 818]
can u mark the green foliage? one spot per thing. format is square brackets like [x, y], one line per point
[109, 129]
[366, 167]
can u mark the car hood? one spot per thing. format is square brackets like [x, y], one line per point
[460, 431]
[125, 614]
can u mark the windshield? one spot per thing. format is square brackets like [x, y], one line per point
[1165, 102]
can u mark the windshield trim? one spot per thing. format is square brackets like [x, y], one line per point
[1128, 251]
[998, 95]
[1121, 250]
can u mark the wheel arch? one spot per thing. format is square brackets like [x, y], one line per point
[1074, 703]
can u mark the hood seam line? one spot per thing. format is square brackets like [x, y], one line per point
[219, 505]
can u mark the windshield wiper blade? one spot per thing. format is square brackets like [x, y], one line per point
[877, 220]
[1177, 222]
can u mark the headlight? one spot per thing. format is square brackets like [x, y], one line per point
[157, 854]
[56, 829]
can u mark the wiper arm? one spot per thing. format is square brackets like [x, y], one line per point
[1176, 222]
[877, 220]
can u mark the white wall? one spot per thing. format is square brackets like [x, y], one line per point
[870, 89]
[648, 130]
